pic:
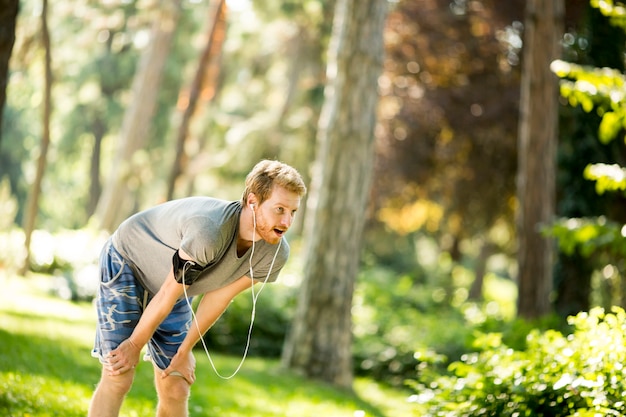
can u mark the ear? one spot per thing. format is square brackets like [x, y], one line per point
[252, 200]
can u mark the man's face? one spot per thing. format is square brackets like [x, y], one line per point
[275, 215]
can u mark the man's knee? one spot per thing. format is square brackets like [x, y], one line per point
[117, 385]
[174, 388]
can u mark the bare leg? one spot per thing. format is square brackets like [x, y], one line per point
[109, 394]
[173, 394]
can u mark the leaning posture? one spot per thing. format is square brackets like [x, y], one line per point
[184, 248]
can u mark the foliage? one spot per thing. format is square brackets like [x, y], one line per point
[601, 91]
[394, 317]
[267, 102]
[613, 9]
[445, 138]
[580, 374]
[607, 177]
[46, 370]
[590, 236]
[592, 42]
[398, 321]
[263, 105]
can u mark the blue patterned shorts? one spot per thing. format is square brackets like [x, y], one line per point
[120, 303]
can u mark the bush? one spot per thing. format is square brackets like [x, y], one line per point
[575, 375]
[396, 316]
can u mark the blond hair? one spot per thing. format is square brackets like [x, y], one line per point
[266, 174]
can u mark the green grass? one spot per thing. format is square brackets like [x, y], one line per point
[46, 370]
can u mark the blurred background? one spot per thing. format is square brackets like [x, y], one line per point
[114, 106]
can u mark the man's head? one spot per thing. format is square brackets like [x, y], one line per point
[267, 174]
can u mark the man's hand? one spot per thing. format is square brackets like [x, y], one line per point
[184, 365]
[123, 359]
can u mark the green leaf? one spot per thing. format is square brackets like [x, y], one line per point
[608, 177]
[610, 127]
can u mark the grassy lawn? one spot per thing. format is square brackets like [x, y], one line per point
[46, 370]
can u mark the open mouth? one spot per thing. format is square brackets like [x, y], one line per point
[279, 232]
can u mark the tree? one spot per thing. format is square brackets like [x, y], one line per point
[8, 17]
[537, 154]
[205, 80]
[320, 341]
[118, 200]
[446, 152]
[30, 216]
[100, 115]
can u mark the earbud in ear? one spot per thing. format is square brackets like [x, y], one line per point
[252, 205]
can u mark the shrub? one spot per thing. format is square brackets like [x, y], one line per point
[396, 316]
[575, 375]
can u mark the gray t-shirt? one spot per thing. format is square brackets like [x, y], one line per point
[206, 229]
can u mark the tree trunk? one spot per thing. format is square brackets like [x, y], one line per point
[320, 341]
[476, 289]
[8, 18]
[204, 79]
[30, 216]
[95, 187]
[572, 299]
[117, 200]
[537, 154]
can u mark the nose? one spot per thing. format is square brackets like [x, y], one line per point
[286, 220]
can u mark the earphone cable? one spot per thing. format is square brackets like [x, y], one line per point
[255, 297]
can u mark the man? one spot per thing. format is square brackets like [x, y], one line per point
[186, 247]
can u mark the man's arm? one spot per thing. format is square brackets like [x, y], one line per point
[126, 356]
[159, 307]
[211, 307]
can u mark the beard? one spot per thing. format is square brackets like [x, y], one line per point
[267, 230]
